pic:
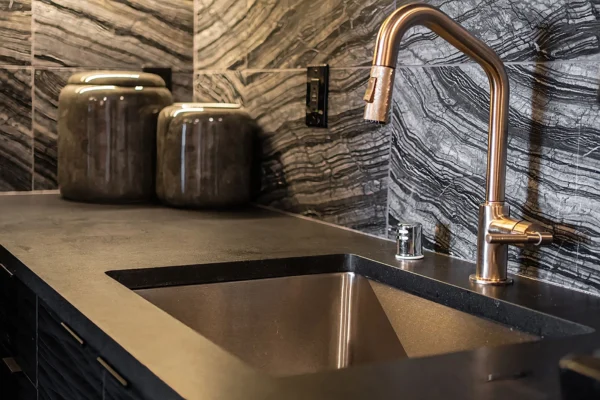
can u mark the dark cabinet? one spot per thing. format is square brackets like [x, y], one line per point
[114, 390]
[6, 295]
[17, 323]
[24, 329]
[67, 367]
[14, 384]
[43, 358]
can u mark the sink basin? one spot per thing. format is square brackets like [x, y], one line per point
[304, 315]
[289, 325]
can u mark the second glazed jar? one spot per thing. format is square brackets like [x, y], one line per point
[107, 135]
[205, 155]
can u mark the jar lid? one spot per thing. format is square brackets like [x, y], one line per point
[117, 78]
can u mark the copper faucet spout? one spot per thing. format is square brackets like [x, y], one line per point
[496, 228]
[386, 55]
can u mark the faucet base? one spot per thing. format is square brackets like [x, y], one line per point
[492, 282]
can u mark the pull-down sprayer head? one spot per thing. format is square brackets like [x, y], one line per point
[379, 94]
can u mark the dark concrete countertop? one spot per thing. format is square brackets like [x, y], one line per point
[70, 246]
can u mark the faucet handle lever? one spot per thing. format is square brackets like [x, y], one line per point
[536, 238]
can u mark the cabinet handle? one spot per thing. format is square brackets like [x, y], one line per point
[12, 365]
[10, 274]
[72, 333]
[111, 371]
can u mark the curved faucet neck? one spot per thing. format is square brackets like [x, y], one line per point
[386, 55]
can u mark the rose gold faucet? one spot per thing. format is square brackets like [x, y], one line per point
[496, 229]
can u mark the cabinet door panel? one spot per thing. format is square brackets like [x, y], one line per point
[15, 385]
[7, 295]
[17, 322]
[24, 330]
[113, 390]
[66, 369]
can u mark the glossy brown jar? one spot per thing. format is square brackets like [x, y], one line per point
[107, 135]
[205, 155]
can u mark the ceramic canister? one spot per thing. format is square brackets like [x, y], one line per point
[206, 155]
[107, 135]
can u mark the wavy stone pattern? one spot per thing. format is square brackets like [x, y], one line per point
[337, 174]
[114, 33]
[15, 32]
[224, 87]
[439, 155]
[220, 34]
[532, 30]
[48, 84]
[15, 129]
[296, 33]
[183, 87]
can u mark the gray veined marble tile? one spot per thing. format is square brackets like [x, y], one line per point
[114, 33]
[183, 87]
[553, 177]
[220, 34]
[47, 87]
[15, 32]
[15, 129]
[338, 174]
[518, 30]
[296, 33]
[219, 87]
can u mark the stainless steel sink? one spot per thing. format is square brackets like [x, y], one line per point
[304, 315]
[288, 325]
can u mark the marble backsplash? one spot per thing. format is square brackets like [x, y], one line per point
[427, 165]
[43, 42]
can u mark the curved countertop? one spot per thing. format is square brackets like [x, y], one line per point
[70, 246]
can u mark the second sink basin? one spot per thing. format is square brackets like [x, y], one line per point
[304, 315]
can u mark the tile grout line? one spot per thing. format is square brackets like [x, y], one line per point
[32, 61]
[29, 192]
[389, 171]
[83, 68]
[32, 129]
[246, 37]
[400, 66]
[389, 181]
[194, 52]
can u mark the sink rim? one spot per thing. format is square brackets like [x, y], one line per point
[479, 304]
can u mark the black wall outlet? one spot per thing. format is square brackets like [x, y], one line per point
[317, 91]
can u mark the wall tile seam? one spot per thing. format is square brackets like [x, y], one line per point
[15, 67]
[33, 64]
[399, 66]
[31, 60]
[246, 48]
[32, 130]
[28, 192]
[194, 52]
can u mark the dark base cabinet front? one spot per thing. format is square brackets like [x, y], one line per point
[15, 385]
[24, 333]
[113, 390]
[43, 358]
[67, 368]
[17, 338]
